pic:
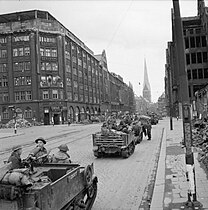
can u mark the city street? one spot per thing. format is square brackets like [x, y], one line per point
[121, 182]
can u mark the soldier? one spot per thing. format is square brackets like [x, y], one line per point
[39, 152]
[62, 156]
[149, 128]
[15, 158]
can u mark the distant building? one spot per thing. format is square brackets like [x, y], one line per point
[146, 85]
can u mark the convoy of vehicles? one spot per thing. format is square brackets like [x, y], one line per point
[57, 186]
[64, 186]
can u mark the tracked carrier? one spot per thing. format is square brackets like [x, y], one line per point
[111, 143]
[55, 187]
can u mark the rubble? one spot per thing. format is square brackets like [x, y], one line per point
[200, 140]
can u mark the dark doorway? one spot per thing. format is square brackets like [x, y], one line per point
[46, 119]
[56, 119]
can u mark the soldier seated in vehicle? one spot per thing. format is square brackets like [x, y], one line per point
[62, 156]
[15, 157]
[39, 153]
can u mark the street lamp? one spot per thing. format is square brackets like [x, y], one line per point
[13, 108]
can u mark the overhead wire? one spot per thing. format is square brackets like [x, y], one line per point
[119, 24]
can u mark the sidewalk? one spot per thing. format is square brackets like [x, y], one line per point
[171, 186]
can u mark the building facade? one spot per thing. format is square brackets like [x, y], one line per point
[196, 58]
[47, 74]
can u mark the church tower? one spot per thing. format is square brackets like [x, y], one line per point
[146, 84]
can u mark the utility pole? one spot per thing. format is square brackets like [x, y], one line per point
[170, 95]
[186, 108]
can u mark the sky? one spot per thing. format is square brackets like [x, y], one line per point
[130, 31]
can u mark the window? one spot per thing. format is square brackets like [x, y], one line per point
[204, 43]
[3, 53]
[54, 66]
[55, 94]
[20, 53]
[15, 52]
[200, 73]
[192, 42]
[28, 113]
[199, 57]
[27, 66]
[28, 95]
[45, 94]
[194, 74]
[206, 73]
[54, 53]
[48, 52]
[4, 82]
[5, 114]
[27, 51]
[22, 95]
[193, 58]
[41, 51]
[5, 97]
[28, 80]
[198, 41]
[17, 96]
[187, 59]
[48, 67]
[204, 54]
[3, 40]
[3, 67]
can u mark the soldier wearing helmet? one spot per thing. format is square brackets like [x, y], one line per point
[62, 156]
[39, 152]
[15, 158]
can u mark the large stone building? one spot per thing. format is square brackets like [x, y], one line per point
[48, 74]
[195, 48]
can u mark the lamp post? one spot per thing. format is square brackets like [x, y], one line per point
[186, 108]
[13, 108]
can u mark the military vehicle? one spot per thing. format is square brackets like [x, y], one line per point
[54, 186]
[113, 142]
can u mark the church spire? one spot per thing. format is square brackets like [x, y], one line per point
[146, 84]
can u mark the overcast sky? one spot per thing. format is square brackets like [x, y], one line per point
[129, 31]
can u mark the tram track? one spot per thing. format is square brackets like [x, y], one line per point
[52, 143]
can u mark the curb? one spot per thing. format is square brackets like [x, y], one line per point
[159, 188]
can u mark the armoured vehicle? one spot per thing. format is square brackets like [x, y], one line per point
[55, 186]
[113, 142]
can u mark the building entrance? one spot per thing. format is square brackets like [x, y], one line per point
[46, 119]
[56, 119]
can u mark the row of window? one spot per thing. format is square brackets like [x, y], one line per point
[195, 42]
[52, 94]
[46, 66]
[48, 52]
[47, 39]
[50, 80]
[23, 96]
[21, 66]
[194, 58]
[23, 38]
[20, 81]
[197, 73]
[21, 51]
[26, 114]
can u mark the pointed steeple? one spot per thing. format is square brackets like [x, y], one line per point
[146, 84]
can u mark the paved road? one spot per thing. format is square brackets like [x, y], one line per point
[121, 182]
